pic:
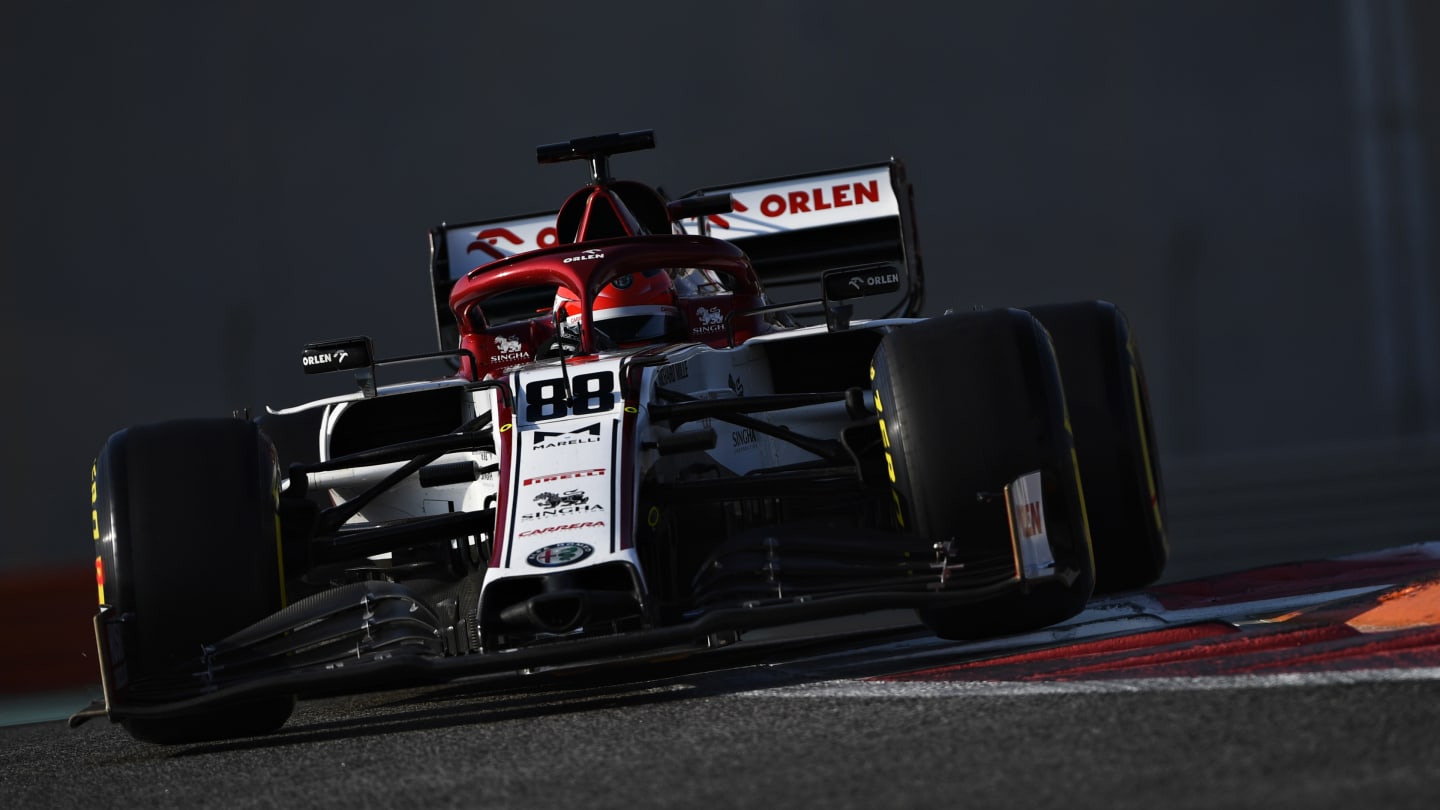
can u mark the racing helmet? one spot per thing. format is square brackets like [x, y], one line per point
[635, 309]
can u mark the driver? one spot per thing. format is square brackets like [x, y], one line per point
[632, 310]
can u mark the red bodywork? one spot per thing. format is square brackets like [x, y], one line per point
[609, 242]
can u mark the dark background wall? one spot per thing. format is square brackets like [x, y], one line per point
[192, 192]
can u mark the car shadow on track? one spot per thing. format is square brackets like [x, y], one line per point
[572, 690]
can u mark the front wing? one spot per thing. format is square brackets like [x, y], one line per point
[367, 636]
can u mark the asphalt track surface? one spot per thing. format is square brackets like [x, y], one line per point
[1309, 685]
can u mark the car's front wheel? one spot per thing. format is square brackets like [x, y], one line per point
[968, 404]
[188, 545]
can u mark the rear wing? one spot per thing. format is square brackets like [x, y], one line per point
[793, 229]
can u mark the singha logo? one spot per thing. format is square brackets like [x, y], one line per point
[565, 504]
[549, 500]
[711, 321]
[509, 350]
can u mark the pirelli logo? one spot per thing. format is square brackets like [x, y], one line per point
[564, 476]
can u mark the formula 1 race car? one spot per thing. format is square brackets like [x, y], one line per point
[665, 422]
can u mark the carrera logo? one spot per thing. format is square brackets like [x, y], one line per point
[820, 199]
[1031, 519]
[564, 476]
[589, 255]
[559, 554]
[544, 440]
[589, 524]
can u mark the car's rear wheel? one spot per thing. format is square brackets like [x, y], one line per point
[1114, 438]
[185, 521]
[969, 403]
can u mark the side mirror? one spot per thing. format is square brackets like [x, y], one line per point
[860, 281]
[337, 355]
[345, 354]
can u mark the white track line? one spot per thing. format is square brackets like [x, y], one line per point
[964, 689]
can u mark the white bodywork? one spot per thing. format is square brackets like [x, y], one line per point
[564, 477]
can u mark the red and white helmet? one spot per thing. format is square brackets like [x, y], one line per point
[635, 309]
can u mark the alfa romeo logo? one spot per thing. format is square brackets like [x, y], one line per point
[558, 554]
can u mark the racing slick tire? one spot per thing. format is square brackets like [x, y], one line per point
[1114, 439]
[968, 403]
[185, 521]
